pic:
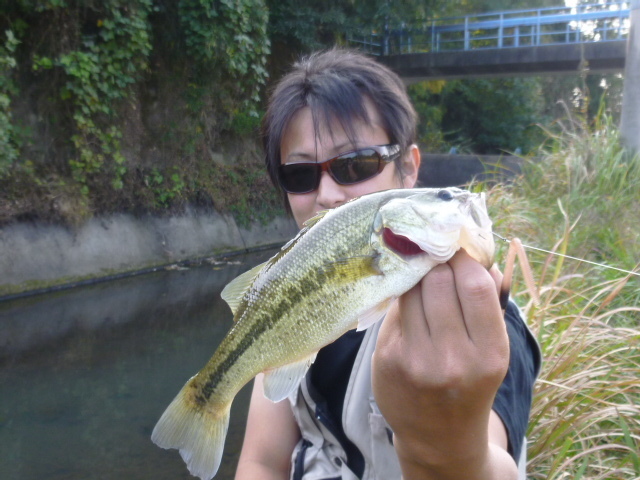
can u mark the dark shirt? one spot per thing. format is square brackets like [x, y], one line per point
[329, 377]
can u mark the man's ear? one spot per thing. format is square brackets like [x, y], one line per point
[411, 166]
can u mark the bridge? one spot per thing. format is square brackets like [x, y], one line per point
[554, 40]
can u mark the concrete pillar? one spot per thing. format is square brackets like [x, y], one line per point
[630, 119]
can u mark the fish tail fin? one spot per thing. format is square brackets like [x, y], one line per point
[197, 432]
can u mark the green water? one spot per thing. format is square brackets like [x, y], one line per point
[86, 373]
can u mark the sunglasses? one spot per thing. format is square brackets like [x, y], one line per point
[346, 168]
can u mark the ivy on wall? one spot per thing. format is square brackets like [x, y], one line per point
[99, 74]
[90, 61]
[229, 37]
[8, 147]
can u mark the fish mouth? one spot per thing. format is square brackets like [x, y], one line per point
[399, 243]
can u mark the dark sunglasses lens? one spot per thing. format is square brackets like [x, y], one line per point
[299, 177]
[356, 166]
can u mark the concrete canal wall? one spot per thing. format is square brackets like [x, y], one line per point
[35, 256]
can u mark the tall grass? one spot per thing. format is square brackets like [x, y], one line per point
[581, 196]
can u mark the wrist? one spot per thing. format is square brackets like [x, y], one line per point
[437, 458]
[485, 461]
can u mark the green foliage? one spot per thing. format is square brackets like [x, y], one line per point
[121, 88]
[585, 94]
[464, 7]
[308, 25]
[303, 26]
[591, 177]
[93, 66]
[424, 97]
[165, 190]
[492, 115]
[245, 124]
[580, 197]
[484, 116]
[228, 39]
[241, 188]
[8, 147]
[99, 74]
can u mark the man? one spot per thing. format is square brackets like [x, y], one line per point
[441, 388]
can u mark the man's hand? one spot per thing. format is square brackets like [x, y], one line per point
[442, 353]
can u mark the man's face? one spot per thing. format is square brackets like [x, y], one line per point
[299, 144]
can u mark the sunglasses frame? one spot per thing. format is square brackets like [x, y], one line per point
[386, 153]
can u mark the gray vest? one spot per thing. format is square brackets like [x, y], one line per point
[319, 455]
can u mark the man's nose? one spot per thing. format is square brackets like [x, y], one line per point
[330, 193]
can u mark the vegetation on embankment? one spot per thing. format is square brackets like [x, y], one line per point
[136, 106]
[581, 198]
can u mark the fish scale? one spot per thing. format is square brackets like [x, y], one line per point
[338, 273]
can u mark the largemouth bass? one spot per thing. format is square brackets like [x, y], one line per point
[342, 271]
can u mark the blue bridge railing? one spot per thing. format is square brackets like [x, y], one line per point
[596, 22]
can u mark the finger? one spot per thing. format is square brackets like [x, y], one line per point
[441, 306]
[497, 276]
[408, 315]
[478, 297]
[397, 337]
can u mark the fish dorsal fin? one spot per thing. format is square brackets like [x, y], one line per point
[374, 314]
[281, 382]
[315, 219]
[306, 226]
[235, 290]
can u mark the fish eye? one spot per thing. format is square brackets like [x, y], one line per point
[445, 195]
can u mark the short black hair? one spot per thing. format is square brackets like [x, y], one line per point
[335, 85]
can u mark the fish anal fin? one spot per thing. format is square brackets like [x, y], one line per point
[198, 432]
[374, 314]
[281, 382]
[235, 290]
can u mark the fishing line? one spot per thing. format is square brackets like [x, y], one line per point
[570, 257]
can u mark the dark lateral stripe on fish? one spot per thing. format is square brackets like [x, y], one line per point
[313, 280]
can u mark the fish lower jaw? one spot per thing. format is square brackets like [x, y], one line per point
[440, 247]
[438, 252]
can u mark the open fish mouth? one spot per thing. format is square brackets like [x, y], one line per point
[400, 244]
[432, 224]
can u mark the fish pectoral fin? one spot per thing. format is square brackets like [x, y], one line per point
[281, 382]
[374, 314]
[234, 291]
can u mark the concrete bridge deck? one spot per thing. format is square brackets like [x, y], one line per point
[531, 60]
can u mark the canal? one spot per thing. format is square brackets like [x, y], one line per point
[86, 373]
